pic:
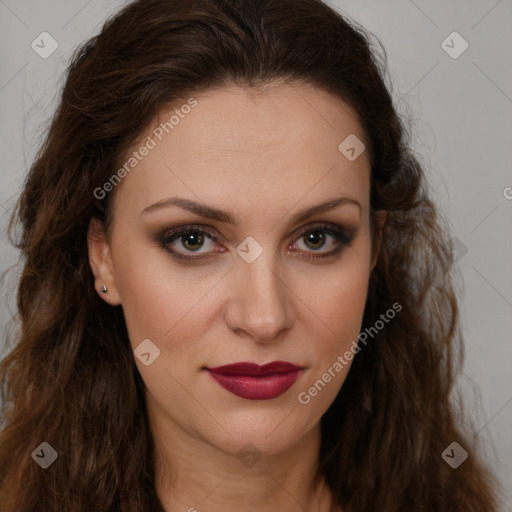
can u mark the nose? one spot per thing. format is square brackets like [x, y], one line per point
[261, 302]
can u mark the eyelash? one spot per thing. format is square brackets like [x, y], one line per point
[338, 233]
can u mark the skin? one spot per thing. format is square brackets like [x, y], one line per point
[263, 156]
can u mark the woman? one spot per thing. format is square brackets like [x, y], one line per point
[237, 293]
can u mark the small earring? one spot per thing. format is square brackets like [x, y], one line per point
[104, 289]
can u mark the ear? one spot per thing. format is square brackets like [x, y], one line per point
[381, 216]
[100, 262]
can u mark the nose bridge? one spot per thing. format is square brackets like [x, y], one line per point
[261, 303]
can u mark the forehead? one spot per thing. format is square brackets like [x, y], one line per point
[281, 142]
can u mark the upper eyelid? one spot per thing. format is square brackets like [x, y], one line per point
[213, 233]
[180, 231]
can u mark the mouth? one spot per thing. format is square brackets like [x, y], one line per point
[254, 382]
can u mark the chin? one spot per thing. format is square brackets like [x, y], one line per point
[268, 434]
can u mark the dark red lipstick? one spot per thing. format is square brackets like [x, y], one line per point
[254, 382]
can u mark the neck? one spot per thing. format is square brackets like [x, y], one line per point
[192, 475]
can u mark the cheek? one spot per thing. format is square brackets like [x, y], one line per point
[335, 312]
[339, 298]
[168, 306]
[344, 310]
[157, 296]
[335, 298]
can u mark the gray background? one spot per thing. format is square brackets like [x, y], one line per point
[460, 111]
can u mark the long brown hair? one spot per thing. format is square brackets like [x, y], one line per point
[70, 379]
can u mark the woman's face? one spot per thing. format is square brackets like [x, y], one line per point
[263, 281]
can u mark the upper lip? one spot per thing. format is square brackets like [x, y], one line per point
[252, 369]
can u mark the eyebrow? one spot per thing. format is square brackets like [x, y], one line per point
[209, 212]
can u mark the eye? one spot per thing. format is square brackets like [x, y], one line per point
[317, 238]
[189, 239]
[183, 242]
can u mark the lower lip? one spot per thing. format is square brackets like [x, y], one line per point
[257, 388]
